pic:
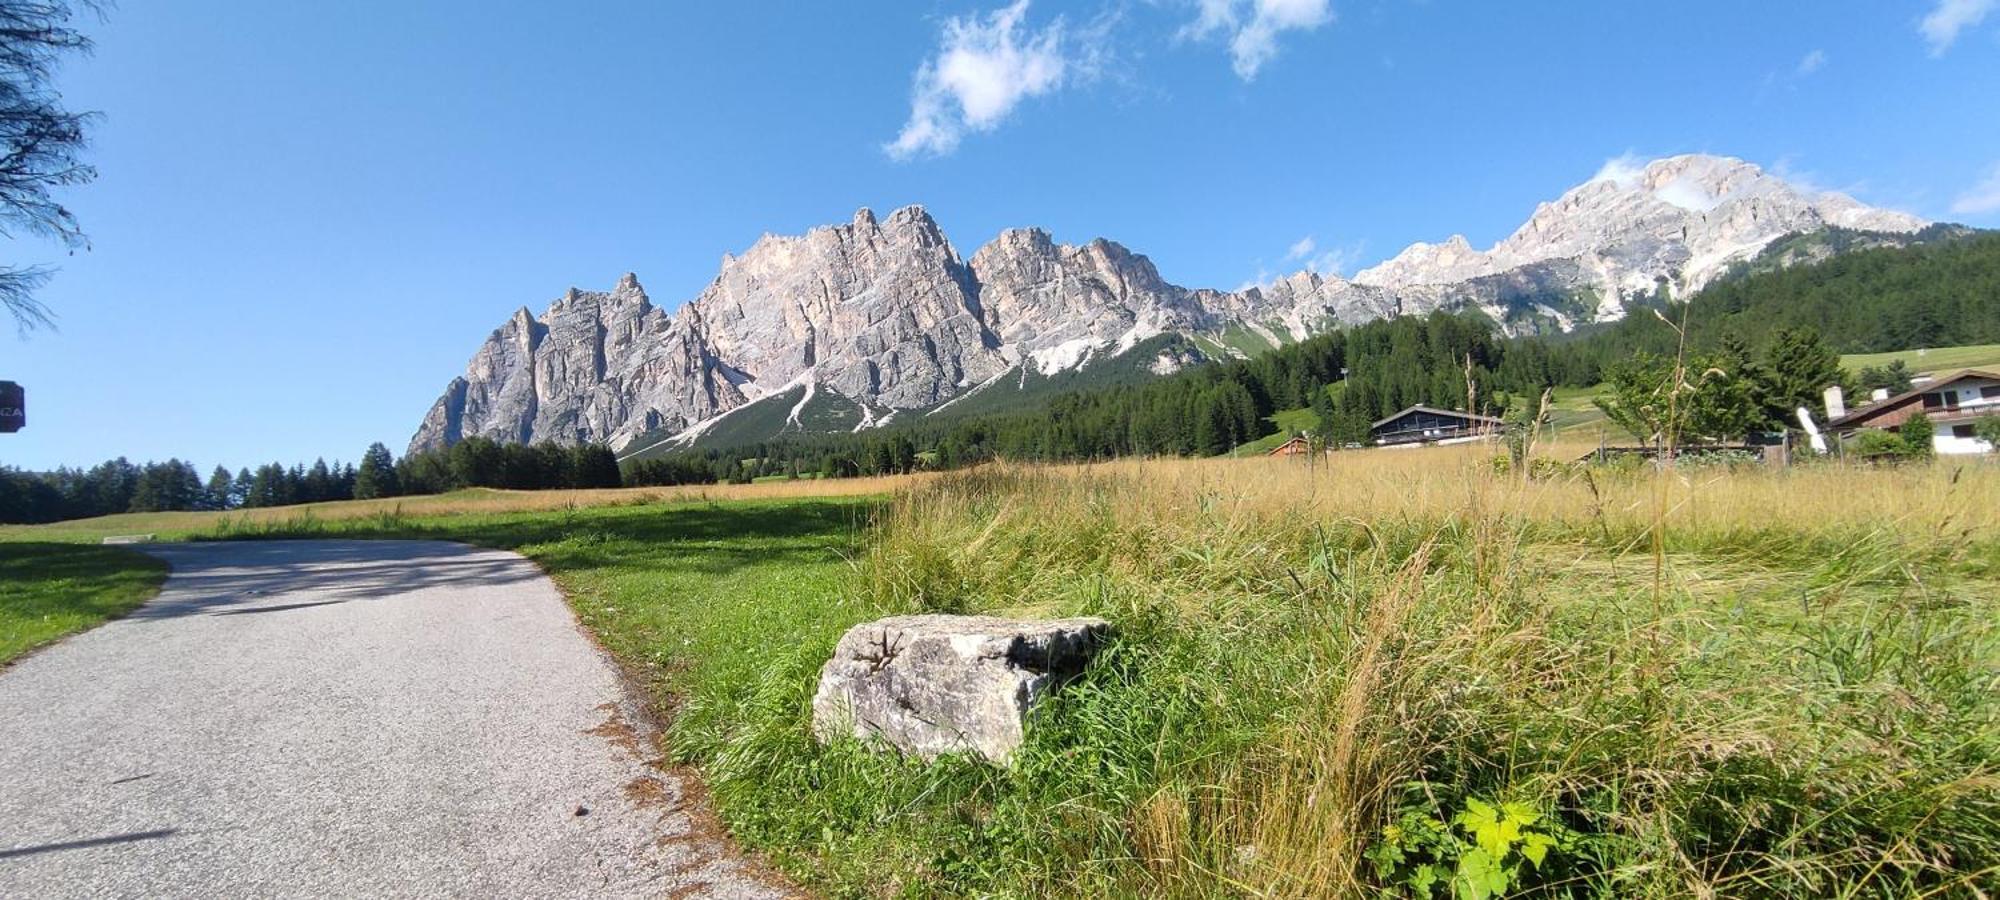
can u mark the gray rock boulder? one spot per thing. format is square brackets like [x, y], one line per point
[937, 684]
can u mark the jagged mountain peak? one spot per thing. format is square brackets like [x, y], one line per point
[884, 315]
[1676, 222]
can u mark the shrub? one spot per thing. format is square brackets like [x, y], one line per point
[1918, 434]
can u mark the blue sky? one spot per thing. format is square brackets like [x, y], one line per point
[306, 221]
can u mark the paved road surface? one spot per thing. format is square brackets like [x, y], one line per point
[329, 718]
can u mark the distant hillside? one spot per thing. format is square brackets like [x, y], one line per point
[1863, 293]
[793, 414]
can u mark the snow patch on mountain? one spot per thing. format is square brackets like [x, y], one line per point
[884, 312]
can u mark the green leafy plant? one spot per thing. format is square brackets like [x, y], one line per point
[1481, 854]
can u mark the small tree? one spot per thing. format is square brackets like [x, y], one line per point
[221, 489]
[1917, 434]
[1894, 377]
[1988, 429]
[1326, 419]
[1798, 368]
[1707, 403]
[376, 476]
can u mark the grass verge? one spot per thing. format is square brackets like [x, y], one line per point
[50, 591]
[1394, 671]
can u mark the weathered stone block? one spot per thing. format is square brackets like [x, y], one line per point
[936, 684]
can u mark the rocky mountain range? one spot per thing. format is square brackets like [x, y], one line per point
[883, 317]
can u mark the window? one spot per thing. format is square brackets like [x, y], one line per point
[1990, 392]
[1961, 431]
[1933, 401]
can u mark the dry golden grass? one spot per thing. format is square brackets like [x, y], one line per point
[1667, 659]
[478, 501]
[1425, 483]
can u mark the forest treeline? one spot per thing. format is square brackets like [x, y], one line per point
[1770, 338]
[120, 486]
[1774, 328]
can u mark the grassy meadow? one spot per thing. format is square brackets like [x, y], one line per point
[49, 591]
[1940, 360]
[1329, 677]
[461, 504]
[1401, 669]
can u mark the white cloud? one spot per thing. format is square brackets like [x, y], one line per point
[1336, 260]
[1310, 257]
[1787, 169]
[1949, 18]
[1812, 62]
[985, 66]
[1624, 171]
[1253, 26]
[1981, 198]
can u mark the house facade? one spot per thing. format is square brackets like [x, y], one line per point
[1430, 425]
[1953, 403]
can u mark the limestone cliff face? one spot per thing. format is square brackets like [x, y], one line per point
[1675, 223]
[886, 314]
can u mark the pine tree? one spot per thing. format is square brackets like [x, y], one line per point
[239, 489]
[220, 489]
[1326, 419]
[376, 477]
[1798, 368]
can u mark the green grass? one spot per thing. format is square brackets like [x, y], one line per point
[1574, 414]
[1799, 710]
[1787, 708]
[49, 591]
[1941, 360]
[1288, 422]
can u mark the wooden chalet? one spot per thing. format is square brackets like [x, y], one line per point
[1294, 447]
[1430, 425]
[1952, 403]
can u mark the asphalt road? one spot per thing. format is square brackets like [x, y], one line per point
[342, 718]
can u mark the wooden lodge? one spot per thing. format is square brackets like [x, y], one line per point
[1296, 446]
[1430, 425]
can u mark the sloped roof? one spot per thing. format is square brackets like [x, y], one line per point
[1295, 439]
[1862, 414]
[1470, 417]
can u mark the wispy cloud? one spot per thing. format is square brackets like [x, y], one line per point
[985, 66]
[1252, 27]
[1625, 170]
[1308, 255]
[1812, 62]
[1981, 198]
[1949, 18]
[1336, 260]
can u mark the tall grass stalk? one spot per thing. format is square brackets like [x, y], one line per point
[1789, 691]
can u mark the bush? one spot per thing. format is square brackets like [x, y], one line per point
[1875, 443]
[1918, 437]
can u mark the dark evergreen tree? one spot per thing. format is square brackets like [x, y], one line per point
[376, 476]
[1798, 368]
[221, 489]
